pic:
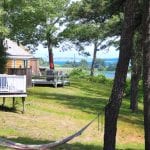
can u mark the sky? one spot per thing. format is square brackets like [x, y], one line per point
[71, 54]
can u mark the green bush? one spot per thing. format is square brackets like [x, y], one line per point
[127, 88]
[97, 79]
[78, 73]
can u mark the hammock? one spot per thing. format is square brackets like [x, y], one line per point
[19, 146]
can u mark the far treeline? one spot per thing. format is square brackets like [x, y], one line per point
[124, 24]
[100, 64]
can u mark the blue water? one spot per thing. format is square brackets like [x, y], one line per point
[61, 63]
[111, 74]
[110, 61]
[107, 74]
[107, 61]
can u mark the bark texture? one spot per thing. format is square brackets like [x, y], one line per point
[136, 69]
[50, 54]
[146, 71]
[112, 108]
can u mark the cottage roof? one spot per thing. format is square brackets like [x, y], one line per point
[13, 50]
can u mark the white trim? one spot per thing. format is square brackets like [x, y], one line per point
[14, 95]
[19, 57]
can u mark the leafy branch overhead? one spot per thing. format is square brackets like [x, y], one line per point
[90, 23]
[32, 21]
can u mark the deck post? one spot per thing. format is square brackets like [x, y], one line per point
[13, 103]
[3, 102]
[23, 103]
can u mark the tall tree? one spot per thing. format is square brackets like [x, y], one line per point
[136, 58]
[36, 21]
[113, 106]
[146, 71]
[90, 24]
[53, 19]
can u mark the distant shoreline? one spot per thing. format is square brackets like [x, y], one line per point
[63, 61]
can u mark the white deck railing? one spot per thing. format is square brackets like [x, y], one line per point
[12, 83]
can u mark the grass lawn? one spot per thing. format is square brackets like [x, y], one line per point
[53, 113]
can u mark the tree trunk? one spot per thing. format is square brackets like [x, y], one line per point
[136, 68]
[94, 59]
[50, 54]
[135, 77]
[146, 71]
[112, 108]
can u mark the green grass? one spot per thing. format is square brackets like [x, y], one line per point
[54, 113]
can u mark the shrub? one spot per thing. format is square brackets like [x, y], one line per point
[78, 73]
[127, 88]
[98, 79]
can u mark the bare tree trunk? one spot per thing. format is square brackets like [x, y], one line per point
[94, 58]
[146, 71]
[135, 77]
[112, 108]
[50, 54]
[136, 69]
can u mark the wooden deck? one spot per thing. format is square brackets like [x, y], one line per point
[52, 78]
[51, 82]
[12, 86]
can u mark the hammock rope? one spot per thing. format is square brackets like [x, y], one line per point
[19, 146]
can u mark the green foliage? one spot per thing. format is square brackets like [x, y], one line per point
[3, 15]
[32, 22]
[91, 10]
[98, 79]
[83, 32]
[94, 19]
[91, 23]
[127, 88]
[78, 73]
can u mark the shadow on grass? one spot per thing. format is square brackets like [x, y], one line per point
[73, 146]
[93, 88]
[100, 94]
[93, 105]
[7, 109]
[48, 85]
